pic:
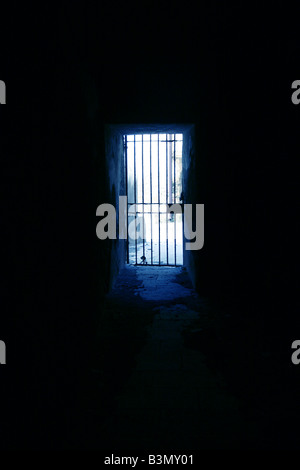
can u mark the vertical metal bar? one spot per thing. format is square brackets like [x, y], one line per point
[158, 199]
[170, 167]
[126, 184]
[175, 197]
[183, 201]
[151, 199]
[167, 199]
[143, 198]
[134, 156]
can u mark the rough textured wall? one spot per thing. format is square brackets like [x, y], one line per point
[115, 174]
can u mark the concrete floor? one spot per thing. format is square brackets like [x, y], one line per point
[167, 371]
[154, 386]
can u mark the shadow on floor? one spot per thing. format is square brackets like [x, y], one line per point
[174, 372]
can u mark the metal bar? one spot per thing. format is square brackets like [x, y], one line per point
[175, 201]
[167, 199]
[151, 199]
[143, 197]
[170, 169]
[146, 203]
[170, 172]
[182, 202]
[158, 199]
[126, 184]
[134, 157]
[169, 140]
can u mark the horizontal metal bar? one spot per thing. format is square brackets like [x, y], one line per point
[155, 140]
[156, 264]
[154, 204]
[163, 211]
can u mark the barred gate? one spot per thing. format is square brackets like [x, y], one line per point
[153, 164]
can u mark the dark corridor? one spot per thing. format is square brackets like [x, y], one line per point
[105, 356]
